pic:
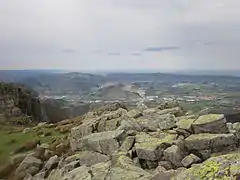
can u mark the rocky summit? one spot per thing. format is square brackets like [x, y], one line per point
[114, 143]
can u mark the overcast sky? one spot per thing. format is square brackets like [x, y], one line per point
[120, 34]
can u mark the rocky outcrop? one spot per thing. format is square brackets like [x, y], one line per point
[114, 143]
[210, 123]
[209, 141]
[18, 104]
[104, 142]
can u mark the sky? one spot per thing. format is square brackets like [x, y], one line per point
[120, 34]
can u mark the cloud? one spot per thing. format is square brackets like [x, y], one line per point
[136, 54]
[189, 34]
[114, 54]
[156, 49]
[69, 50]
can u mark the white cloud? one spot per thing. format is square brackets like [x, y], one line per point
[34, 33]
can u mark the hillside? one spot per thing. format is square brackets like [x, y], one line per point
[114, 143]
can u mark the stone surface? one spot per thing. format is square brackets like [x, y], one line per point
[127, 143]
[204, 154]
[125, 169]
[153, 122]
[149, 148]
[210, 123]
[159, 169]
[190, 159]
[130, 124]
[220, 167]
[104, 142]
[51, 163]
[166, 164]
[80, 173]
[135, 113]
[87, 158]
[30, 165]
[174, 154]
[168, 122]
[100, 170]
[185, 124]
[208, 141]
[176, 111]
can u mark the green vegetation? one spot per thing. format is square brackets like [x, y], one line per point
[13, 137]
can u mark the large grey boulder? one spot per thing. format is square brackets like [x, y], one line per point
[167, 121]
[104, 142]
[154, 122]
[185, 124]
[100, 171]
[130, 124]
[208, 141]
[174, 154]
[125, 169]
[80, 173]
[87, 158]
[210, 123]
[135, 113]
[30, 165]
[87, 128]
[190, 159]
[127, 143]
[150, 148]
[111, 121]
[51, 163]
[177, 111]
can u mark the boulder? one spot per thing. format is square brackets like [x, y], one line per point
[159, 169]
[104, 142]
[174, 154]
[168, 121]
[150, 148]
[154, 122]
[177, 111]
[78, 173]
[70, 166]
[125, 169]
[51, 163]
[87, 158]
[220, 167]
[100, 171]
[210, 123]
[185, 124]
[84, 129]
[30, 165]
[190, 159]
[208, 141]
[168, 105]
[166, 164]
[127, 143]
[204, 154]
[134, 113]
[111, 121]
[130, 124]
[149, 111]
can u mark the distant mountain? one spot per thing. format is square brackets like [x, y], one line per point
[62, 83]
[68, 83]
[114, 92]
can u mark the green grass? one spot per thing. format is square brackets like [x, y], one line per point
[10, 142]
